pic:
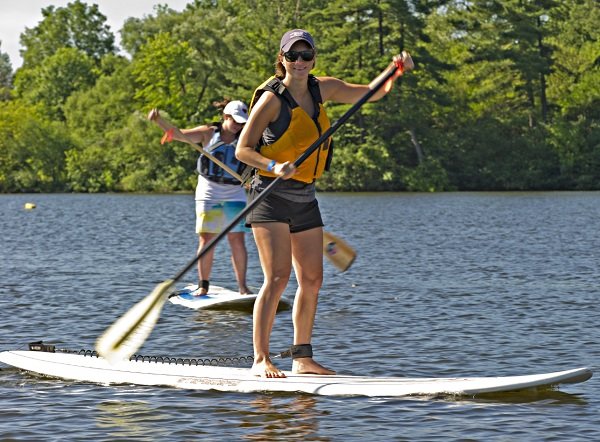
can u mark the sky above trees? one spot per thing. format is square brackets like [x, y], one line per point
[16, 16]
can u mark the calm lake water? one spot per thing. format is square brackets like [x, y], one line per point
[457, 284]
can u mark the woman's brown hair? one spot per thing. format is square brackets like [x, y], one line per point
[220, 105]
[279, 68]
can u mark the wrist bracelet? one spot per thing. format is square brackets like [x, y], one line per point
[271, 165]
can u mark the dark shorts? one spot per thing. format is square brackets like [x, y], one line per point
[299, 216]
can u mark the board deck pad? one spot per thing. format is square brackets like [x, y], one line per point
[185, 373]
[217, 298]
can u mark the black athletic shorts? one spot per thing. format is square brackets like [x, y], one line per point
[299, 216]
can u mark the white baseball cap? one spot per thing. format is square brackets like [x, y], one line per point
[238, 111]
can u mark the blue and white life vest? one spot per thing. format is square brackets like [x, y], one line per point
[224, 153]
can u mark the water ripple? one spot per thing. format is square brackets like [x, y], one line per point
[464, 284]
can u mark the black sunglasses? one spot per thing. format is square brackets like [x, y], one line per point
[292, 56]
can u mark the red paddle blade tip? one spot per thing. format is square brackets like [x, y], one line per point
[399, 65]
[168, 136]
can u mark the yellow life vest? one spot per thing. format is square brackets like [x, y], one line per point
[301, 133]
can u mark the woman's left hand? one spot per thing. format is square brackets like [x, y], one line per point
[405, 61]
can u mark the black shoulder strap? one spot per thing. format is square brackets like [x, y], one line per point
[276, 86]
[315, 92]
[313, 87]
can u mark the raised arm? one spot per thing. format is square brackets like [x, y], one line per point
[337, 90]
[200, 134]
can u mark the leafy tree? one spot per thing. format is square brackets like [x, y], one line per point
[89, 170]
[502, 54]
[5, 75]
[574, 87]
[505, 94]
[31, 150]
[359, 39]
[62, 54]
[91, 112]
[78, 25]
[51, 83]
[190, 60]
[254, 38]
[143, 164]
[164, 70]
[214, 34]
[136, 32]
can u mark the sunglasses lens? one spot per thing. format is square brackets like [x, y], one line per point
[292, 56]
[307, 55]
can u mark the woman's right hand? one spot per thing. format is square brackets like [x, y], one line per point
[285, 170]
[153, 115]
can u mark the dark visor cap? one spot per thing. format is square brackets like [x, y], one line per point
[291, 37]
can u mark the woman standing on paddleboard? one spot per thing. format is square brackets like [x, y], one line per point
[287, 117]
[219, 196]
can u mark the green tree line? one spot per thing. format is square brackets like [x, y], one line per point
[505, 94]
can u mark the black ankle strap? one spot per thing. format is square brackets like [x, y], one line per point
[204, 284]
[298, 351]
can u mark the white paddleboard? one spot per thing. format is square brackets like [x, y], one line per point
[186, 374]
[217, 298]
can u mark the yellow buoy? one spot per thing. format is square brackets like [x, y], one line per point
[29, 206]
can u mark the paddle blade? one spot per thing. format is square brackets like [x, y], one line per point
[337, 251]
[122, 339]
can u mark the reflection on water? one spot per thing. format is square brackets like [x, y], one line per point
[121, 418]
[547, 396]
[271, 417]
[542, 395]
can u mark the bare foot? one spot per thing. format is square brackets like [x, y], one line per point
[200, 292]
[245, 291]
[309, 366]
[266, 369]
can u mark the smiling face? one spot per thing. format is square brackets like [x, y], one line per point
[299, 67]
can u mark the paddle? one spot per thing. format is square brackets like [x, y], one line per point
[122, 339]
[335, 249]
